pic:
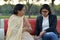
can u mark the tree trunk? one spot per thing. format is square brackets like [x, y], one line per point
[53, 8]
[53, 3]
[5, 1]
[29, 7]
[9, 1]
[19, 1]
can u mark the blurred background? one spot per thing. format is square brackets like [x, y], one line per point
[32, 11]
[32, 7]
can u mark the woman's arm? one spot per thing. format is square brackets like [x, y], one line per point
[28, 26]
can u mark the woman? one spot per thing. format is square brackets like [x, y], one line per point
[46, 24]
[16, 29]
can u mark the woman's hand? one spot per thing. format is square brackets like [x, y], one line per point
[36, 37]
[42, 33]
[25, 28]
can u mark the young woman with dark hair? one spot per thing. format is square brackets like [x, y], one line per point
[46, 24]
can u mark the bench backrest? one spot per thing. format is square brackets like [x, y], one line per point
[31, 21]
[33, 25]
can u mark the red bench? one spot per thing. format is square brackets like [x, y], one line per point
[33, 23]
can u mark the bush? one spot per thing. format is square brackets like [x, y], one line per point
[7, 9]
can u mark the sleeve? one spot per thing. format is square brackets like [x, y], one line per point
[28, 24]
[37, 27]
[11, 25]
[53, 24]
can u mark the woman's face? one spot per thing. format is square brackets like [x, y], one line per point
[21, 13]
[45, 12]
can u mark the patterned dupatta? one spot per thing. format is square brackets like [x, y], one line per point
[11, 25]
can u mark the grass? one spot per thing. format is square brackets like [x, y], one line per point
[4, 17]
[58, 17]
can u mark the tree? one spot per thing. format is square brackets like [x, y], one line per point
[45, 0]
[20, 1]
[5, 0]
[38, 0]
[53, 7]
[29, 6]
[8, 1]
[53, 3]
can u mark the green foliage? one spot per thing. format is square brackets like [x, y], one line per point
[6, 9]
[32, 16]
[34, 10]
[4, 17]
[5, 0]
[57, 9]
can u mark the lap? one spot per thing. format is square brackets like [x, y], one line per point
[27, 36]
[50, 36]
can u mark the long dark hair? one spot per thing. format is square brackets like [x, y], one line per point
[46, 6]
